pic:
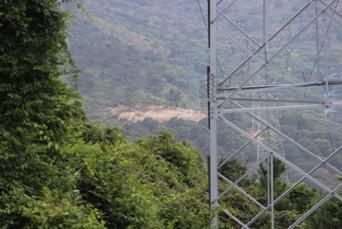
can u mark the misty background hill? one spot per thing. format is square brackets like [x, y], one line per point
[155, 52]
[139, 52]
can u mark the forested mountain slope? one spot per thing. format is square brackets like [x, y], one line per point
[154, 52]
[138, 52]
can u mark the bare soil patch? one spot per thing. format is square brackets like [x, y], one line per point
[157, 112]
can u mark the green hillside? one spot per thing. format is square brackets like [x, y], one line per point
[138, 52]
[155, 52]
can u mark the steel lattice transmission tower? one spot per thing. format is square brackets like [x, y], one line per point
[251, 87]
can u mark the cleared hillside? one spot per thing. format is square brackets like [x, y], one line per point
[159, 113]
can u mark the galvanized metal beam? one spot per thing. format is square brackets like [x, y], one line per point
[213, 178]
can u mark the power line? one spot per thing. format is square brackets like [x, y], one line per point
[203, 17]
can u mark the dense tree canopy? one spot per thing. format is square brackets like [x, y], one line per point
[58, 172]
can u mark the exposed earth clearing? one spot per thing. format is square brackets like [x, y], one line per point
[157, 112]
